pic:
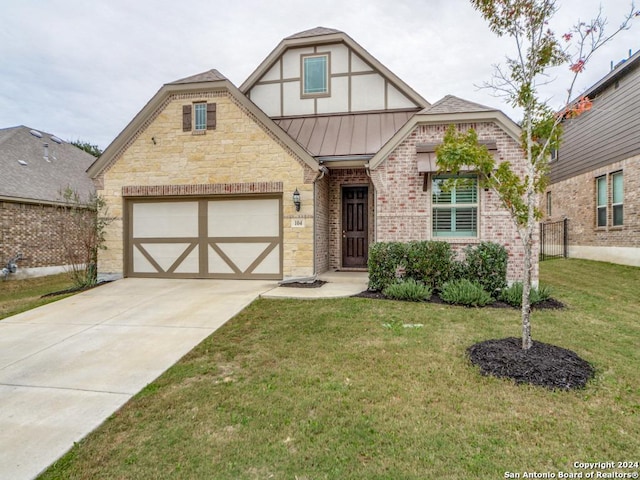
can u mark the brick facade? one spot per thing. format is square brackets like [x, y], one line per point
[575, 199]
[322, 222]
[403, 203]
[36, 231]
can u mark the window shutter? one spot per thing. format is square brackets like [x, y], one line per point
[186, 118]
[211, 116]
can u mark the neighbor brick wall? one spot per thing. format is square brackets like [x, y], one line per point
[575, 199]
[239, 151]
[404, 207]
[35, 231]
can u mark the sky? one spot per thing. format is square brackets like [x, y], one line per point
[82, 70]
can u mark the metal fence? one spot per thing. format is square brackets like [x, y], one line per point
[553, 239]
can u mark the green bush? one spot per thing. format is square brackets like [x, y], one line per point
[486, 264]
[465, 292]
[408, 289]
[513, 295]
[385, 259]
[431, 263]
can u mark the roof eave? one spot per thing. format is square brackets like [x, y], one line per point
[508, 125]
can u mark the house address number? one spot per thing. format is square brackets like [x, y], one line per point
[297, 223]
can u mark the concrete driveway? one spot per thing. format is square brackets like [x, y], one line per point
[67, 366]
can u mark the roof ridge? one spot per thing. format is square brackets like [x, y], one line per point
[211, 75]
[451, 103]
[314, 32]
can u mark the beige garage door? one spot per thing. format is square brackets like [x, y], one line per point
[205, 238]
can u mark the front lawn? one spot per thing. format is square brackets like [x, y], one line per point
[341, 389]
[20, 295]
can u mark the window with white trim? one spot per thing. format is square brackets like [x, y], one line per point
[315, 75]
[601, 201]
[455, 209]
[200, 116]
[617, 191]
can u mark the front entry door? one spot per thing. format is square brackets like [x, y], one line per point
[355, 228]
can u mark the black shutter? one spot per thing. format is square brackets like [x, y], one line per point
[186, 118]
[211, 116]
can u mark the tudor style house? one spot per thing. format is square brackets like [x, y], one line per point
[319, 153]
[595, 179]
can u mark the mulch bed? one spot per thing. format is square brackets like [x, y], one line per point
[543, 364]
[551, 303]
[314, 284]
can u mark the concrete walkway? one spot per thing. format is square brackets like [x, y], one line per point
[65, 367]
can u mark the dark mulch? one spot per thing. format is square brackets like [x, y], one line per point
[543, 364]
[551, 303]
[314, 284]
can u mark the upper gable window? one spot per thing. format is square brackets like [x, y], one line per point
[199, 117]
[315, 75]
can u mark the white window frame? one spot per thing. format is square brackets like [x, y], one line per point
[200, 116]
[601, 182]
[617, 199]
[454, 207]
[308, 93]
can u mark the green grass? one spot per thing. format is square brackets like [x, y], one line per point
[20, 295]
[323, 390]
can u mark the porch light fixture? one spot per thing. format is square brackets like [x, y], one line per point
[296, 200]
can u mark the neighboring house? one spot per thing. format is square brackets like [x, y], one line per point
[319, 153]
[595, 179]
[36, 167]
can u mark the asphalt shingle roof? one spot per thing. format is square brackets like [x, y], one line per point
[453, 104]
[31, 171]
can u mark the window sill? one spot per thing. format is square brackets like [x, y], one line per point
[198, 132]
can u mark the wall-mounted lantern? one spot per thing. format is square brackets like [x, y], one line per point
[296, 200]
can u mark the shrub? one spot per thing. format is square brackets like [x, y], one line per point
[430, 262]
[465, 292]
[486, 264]
[408, 289]
[385, 258]
[513, 295]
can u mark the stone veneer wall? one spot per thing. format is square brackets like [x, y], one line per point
[343, 178]
[34, 230]
[403, 206]
[575, 199]
[239, 151]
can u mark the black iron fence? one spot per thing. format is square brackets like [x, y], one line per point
[553, 239]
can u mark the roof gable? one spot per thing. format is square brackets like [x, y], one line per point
[38, 166]
[209, 81]
[278, 73]
[448, 110]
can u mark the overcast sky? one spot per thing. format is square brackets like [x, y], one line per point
[82, 69]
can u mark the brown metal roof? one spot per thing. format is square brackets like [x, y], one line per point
[344, 135]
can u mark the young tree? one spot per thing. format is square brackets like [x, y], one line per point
[538, 50]
[81, 234]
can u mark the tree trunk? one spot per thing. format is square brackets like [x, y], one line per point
[526, 293]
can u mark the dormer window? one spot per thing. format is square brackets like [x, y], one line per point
[315, 75]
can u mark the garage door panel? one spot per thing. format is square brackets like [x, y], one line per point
[205, 238]
[235, 218]
[165, 219]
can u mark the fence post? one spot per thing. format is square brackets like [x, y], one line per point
[565, 238]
